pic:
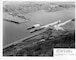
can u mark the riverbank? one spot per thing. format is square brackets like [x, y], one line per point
[20, 42]
[42, 44]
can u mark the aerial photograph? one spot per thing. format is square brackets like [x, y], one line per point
[36, 28]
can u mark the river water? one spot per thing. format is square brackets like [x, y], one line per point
[13, 32]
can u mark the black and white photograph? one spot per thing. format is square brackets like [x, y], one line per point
[36, 28]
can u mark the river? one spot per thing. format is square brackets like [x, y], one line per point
[13, 32]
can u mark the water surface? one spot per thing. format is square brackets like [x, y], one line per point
[13, 32]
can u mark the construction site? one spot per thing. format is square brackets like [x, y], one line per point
[35, 29]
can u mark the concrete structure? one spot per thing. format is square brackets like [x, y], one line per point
[58, 27]
[34, 26]
[45, 26]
